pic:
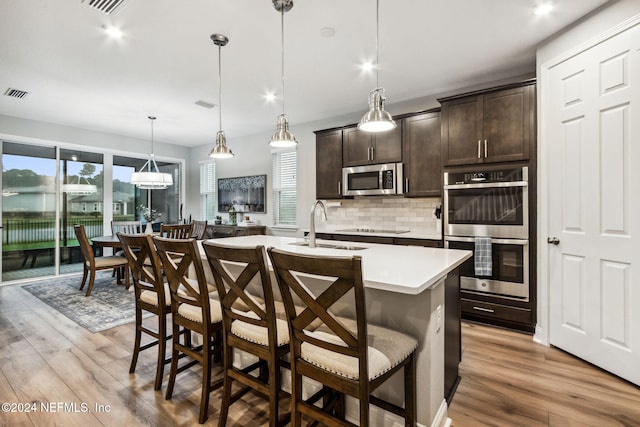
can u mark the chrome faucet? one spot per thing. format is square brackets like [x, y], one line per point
[312, 222]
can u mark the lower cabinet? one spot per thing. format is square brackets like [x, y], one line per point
[221, 231]
[492, 312]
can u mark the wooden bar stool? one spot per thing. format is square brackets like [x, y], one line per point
[249, 324]
[349, 357]
[152, 296]
[192, 309]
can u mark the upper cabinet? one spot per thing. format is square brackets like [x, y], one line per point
[421, 150]
[364, 148]
[495, 126]
[329, 164]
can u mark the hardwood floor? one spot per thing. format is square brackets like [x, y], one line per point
[507, 380]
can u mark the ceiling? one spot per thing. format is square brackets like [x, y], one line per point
[76, 75]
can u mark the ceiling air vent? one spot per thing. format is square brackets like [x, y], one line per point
[16, 93]
[205, 104]
[106, 6]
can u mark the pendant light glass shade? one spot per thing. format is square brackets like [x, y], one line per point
[79, 188]
[221, 150]
[377, 119]
[282, 138]
[152, 179]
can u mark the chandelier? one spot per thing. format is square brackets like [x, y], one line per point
[152, 179]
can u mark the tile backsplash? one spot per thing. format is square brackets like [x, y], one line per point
[385, 213]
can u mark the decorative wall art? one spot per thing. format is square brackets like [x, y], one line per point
[246, 194]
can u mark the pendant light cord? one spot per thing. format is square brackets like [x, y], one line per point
[220, 85]
[152, 156]
[377, 42]
[282, 52]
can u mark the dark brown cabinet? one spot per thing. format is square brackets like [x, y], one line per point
[364, 148]
[329, 164]
[495, 126]
[421, 152]
[221, 231]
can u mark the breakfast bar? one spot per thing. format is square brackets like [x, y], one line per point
[405, 290]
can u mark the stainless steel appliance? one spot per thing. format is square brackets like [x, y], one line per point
[490, 206]
[372, 180]
[510, 267]
[491, 203]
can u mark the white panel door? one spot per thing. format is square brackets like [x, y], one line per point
[593, 135]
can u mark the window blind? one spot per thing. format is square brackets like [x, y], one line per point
[207, 190]
[284, 187]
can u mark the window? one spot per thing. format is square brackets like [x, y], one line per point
[207, 190]
[284, 187]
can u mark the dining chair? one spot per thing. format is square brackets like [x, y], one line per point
[193, 309]
[152, 295]
[126, 227]
[176, 231]
[199, 229]
[347, 356]
[92, 263]
[249, 324]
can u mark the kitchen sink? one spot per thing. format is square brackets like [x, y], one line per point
[331, 246]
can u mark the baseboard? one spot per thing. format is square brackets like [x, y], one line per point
[441, 419]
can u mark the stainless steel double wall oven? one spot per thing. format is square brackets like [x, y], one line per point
[487, 210]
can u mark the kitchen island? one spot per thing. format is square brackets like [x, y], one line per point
[405, 290]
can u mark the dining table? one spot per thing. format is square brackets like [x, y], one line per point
[100, 242]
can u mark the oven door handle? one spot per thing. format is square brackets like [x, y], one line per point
[522, 242]
[486, 185]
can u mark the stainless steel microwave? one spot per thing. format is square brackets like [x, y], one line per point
[372, 180]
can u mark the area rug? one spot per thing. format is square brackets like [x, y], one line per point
[108, 306]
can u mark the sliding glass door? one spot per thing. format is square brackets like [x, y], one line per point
[82, 202]
[46, 190]
[28, 211]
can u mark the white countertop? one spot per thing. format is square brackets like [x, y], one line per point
[401, 269]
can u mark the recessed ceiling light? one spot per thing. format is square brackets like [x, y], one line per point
[270, 97]
[543, 9]
[327, 32]
[113, 32]
[366, 66]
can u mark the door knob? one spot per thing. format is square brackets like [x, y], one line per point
[553, 240]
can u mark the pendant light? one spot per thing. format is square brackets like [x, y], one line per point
[376, 119]
[220, 151]
[152, 179]
[282, 138]
[79, 188]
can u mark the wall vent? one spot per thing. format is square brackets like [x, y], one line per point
[106, 6]
[205, 104]
[16, 93]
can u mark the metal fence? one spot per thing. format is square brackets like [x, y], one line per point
[23, 231]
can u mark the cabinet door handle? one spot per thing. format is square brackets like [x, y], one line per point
[406, 185]
[485, 148]
[488, 310]
[372, 153]
[339, 188]
[368, 153]
[479, 144]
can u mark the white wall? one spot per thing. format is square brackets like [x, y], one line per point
[14, 129]
[568, 42]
